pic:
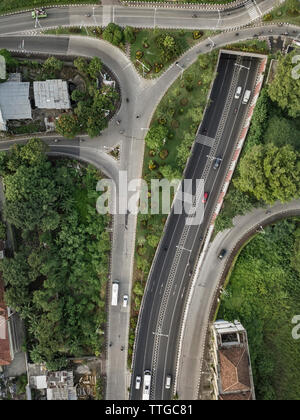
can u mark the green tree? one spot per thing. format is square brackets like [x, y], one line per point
[169, 172]
[295, 260]
[77, 95]
[156, 137]
[168, 46]
[293, 7]
[67, 125]
[153, 240]
[81, 64]
[285, 88]
[2, 231]
[113, 34]
[129, 35]
[270, 173]
[51, 67]
[95, 67]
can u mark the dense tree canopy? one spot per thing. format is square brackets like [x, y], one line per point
[285, 88]
[56, 279]
[264, 294]
[270, 173]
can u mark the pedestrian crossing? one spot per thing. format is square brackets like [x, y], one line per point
[251, 9]
[106, 15]
[205, 140]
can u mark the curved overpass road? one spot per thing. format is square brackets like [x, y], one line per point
[141, 17]
[207, 290]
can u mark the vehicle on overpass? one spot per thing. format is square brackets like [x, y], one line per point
[246, 96]
[115, 293]
[146, 385]
[138, 381]
[168, 382]
[39, 13]
[238, 92]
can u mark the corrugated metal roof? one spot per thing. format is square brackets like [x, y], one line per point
[14, 101]
[51, 94]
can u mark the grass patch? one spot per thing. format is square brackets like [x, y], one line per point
[283, 14]
[145, 44]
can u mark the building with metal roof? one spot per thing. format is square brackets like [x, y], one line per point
[51, 94]
[14, 102]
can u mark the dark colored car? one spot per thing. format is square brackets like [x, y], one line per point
[222, 254]
[217, 163]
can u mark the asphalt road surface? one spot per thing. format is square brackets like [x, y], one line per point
[141, 17]
[164, 296]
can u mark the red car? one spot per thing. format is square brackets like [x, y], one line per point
[205, 197]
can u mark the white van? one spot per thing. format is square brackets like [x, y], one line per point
[246, 96]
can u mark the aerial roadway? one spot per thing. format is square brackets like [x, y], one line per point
[141, 17]
[144, 96]
[160, 317]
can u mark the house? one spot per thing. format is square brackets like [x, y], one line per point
[51, 94]
[232, 367]
[14, 100]
[57, 385]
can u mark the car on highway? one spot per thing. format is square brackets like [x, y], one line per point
[222, 254]
[39, 13]
[217, 163]
[238, 92]
[246, 96]
[125, 301]
[138, 381]
[205, 197]
[146, 385]
[168, 382]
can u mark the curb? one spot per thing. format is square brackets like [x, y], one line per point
[179, 5]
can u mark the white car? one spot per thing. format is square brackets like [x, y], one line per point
[125, 301]
[238, 92]
[138, 380]
[168, 382]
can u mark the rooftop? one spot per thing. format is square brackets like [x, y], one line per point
[51, 94]
[14, 102]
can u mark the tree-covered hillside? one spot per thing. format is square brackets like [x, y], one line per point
[264, 294]
[57, 277]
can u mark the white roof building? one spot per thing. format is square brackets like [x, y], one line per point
[14, 102]
[51, 94]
